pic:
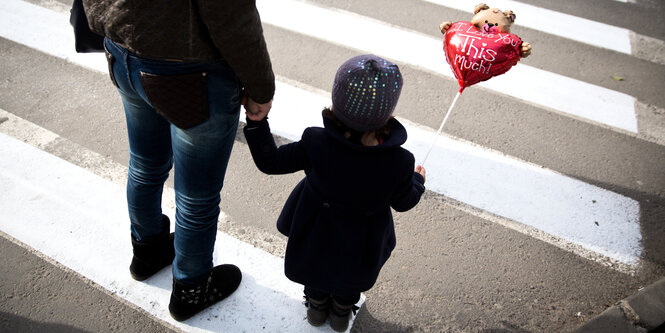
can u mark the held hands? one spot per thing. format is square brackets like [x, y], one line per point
[421, 171]
[253, 110]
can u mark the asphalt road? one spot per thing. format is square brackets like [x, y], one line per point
[457, 267]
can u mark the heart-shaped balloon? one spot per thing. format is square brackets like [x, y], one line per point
[476, 56]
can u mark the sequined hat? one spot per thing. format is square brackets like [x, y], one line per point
[365, 92]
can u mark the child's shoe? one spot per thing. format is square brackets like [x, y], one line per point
[340, 315]
[188, 300]
[152, 255]
[317, 310]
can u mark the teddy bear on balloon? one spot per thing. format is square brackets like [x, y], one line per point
[484, 47]
[480, 49]
[492, 20]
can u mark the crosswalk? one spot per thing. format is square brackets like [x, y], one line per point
[80, 220]
[564, 25]
[592, 221]
[527, 83]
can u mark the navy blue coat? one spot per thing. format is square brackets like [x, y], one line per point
[338, 218]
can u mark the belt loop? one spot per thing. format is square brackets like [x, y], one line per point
[129, 74]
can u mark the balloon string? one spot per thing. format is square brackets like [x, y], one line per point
[441, 127]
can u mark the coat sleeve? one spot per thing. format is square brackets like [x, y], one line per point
[235, 29]
[267, 156]
[409, 191]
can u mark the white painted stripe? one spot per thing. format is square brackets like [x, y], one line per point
[44, 30]
[80, 220]
[617, 236]
[541, 198]
[559, 24]
[51, 33]
[502, 185]
[530, 84]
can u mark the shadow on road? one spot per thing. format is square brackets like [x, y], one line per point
[365, 322]
[10, 323]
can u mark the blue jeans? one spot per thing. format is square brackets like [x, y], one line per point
[200, 155]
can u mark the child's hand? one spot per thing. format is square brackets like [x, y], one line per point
[421, 171]
[255, 111]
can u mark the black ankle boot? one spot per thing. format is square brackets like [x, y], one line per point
[188, 300]
[340, 315]
[317, 310]
[152, 255]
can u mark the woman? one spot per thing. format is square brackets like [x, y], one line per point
[183, 68]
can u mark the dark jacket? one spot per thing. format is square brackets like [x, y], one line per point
[194, 30]
[338, 218]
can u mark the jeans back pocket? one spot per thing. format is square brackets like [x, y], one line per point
[181, 99]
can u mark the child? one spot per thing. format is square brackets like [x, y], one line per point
[338, 218]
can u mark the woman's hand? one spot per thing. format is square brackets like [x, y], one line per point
[255, 111]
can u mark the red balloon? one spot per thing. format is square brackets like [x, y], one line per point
[476, 56]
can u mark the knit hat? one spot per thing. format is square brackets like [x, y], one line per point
[365, 92]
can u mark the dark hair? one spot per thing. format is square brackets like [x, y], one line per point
[351, 134]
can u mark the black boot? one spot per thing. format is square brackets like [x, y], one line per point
[188, 300]
[152, 255]
[340, 315]
[317, 310]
